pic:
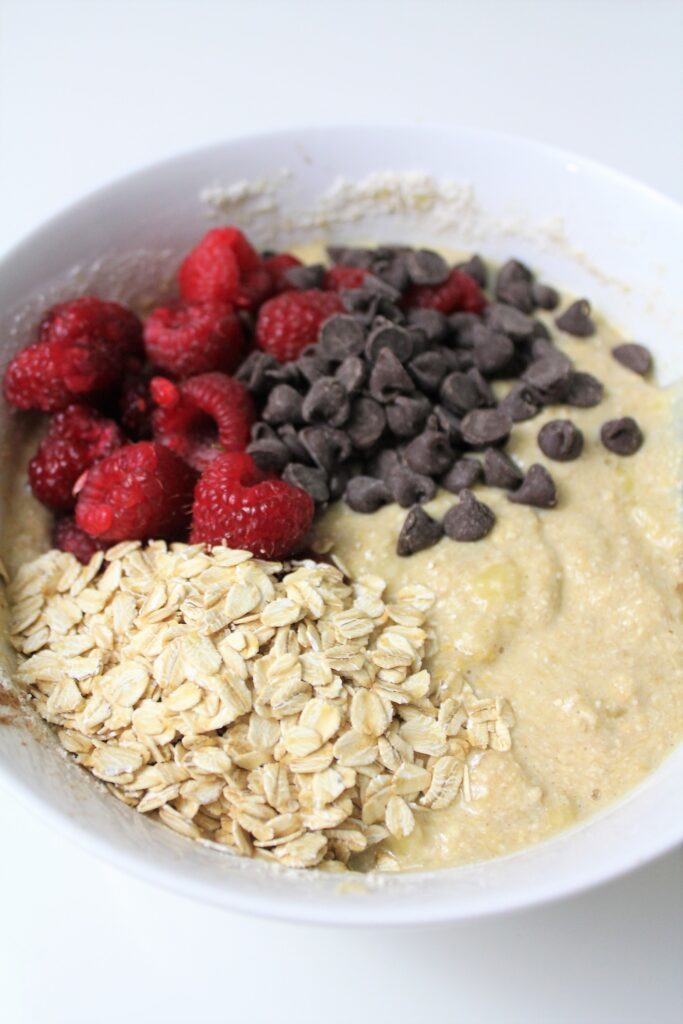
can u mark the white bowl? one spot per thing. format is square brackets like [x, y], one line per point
[587, 228]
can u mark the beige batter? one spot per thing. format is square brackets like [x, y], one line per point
[572, 614]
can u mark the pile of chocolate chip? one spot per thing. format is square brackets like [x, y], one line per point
[392, 403]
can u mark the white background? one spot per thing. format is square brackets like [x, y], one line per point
[91, 90]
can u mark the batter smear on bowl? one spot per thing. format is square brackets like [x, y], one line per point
[363, 558]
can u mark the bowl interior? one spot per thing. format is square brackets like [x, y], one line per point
[582, 226]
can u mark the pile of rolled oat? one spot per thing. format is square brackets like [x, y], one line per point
[278, 710]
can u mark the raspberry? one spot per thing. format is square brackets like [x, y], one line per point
[458, 293]
[76, 438]
[135, 403]
[339, 277]
[138, 492]
[290, 322]
[49, 375]
[212, 270]
[202, 416]
[188, 338]
[68, 537]
[255, 287]
[277, 266]
[237, 505]
[92, 318]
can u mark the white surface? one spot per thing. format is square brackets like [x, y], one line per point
[89, 91]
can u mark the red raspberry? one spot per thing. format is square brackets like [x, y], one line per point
[238, 505]
[188, 338]
[135, 403]
[255, 287]
[92, 318]
[202, 416]
[141, 491]
[277, 266]
[339, 277]
[49, 375]
[68, 537]
[290, 322]
[458, 293]
[76, 438]
[211, 271]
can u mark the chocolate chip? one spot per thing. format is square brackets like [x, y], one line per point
[385, 464]
[406, 416]
[492, 351]
[576, 319]
[434, 324]
[326, 445]
[326, 402]
[463, 474]
[483, 427]
[476, 269]
[550, 376]
[340, 336]
[290, 437]
[462, 325]
[426, 267]
[542, 347]
[392, 270]
[455, 358]
[260, 431]
[283, 406]
[430, 453]
[513, 285]
[583, 390]
[285, 373]
[270, 454]
[312, 364]
[469, 520]
[303, 278]
[622, 436]
[459, 393]
[539, 330]
[309, 479]
[537, 489]
[428, 370]
[419, 531]
[522, 402]
[511, 321]
[384, 334]
[500, 470]
[388, 378]
[633, 357]
[352, 374]
[365, 494]
[349, 257]
[449, 423]
[252, 372]
[486, 396]
[560, 440]
[366, 423]
[544, 296]
[408, 488]
[513, 270]
[338, 481]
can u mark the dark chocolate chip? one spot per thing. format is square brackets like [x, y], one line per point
[544, 296]
[326, 446]
[537, 489]
[338, 481]
[384, 334]
[312, 364]
[469, 520]
[463, 474]
[352, 373]
[326, 402]
[522, 402]
[449, 423]
[388, 378]
[366, 423]
[513, 270]
[576, 319]
[542, 347]
[428, 370]
[517, 294]
[429, 453]
[622, 436]
[500, 470]
[459, 393]
[392, 270]
[283, 406]
[408, 488]
[350, 257]
[419, 531]
[290, 437]
[455, 358]
[539, 330]
[634, 357]
[340, 336]
[270, 454]
[434, 324]
[418, 339]
[583, 390]
[492, 351]
[560, 440]
[252, 372]
[511, 321]
[303, 278]
[550, 376]
[260, 431]
[382, 289]
[407, 415]
[285, 373]
[476, 269]
[309, 479]
[482, 427]
[462, 324]
[385, 464]
[486, 396]
[426, 267]
[366, 494]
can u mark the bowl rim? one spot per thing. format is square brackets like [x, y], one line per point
[287, 907]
